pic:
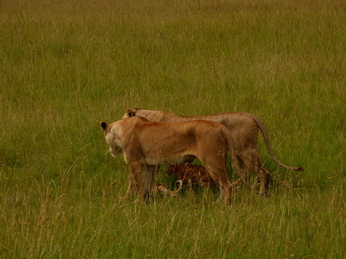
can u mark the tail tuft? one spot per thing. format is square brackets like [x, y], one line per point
[299, 169]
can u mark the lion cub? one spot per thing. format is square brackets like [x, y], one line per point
[191, 174]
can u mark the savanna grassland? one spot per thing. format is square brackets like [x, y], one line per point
[66, 65]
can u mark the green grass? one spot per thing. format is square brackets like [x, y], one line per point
[67, 65]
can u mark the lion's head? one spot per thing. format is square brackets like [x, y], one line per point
[112, 136]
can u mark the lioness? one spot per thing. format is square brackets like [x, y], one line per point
[244, 130]
[147, 144]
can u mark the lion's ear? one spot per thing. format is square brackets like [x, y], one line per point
[104, 125]
[130, 113]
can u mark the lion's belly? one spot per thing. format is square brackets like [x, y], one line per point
[170, 159]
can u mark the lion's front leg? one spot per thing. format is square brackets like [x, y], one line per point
[142, 177]
[135, 179]
[148, 178]
[131, 187]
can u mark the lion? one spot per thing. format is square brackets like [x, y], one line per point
[163, 189]
[192, 174]
[147, 144]
[244, 129]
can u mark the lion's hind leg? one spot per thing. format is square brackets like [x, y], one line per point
[240, 162]
[218, 173]
[254, 165]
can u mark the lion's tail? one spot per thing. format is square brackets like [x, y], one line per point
[269, 147]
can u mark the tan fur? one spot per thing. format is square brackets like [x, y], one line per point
[147, 144]
[162, 188]
[244, 130]
[188, 173]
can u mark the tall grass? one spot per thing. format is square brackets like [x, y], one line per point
[67, 65]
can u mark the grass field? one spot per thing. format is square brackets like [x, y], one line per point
[66, 65]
